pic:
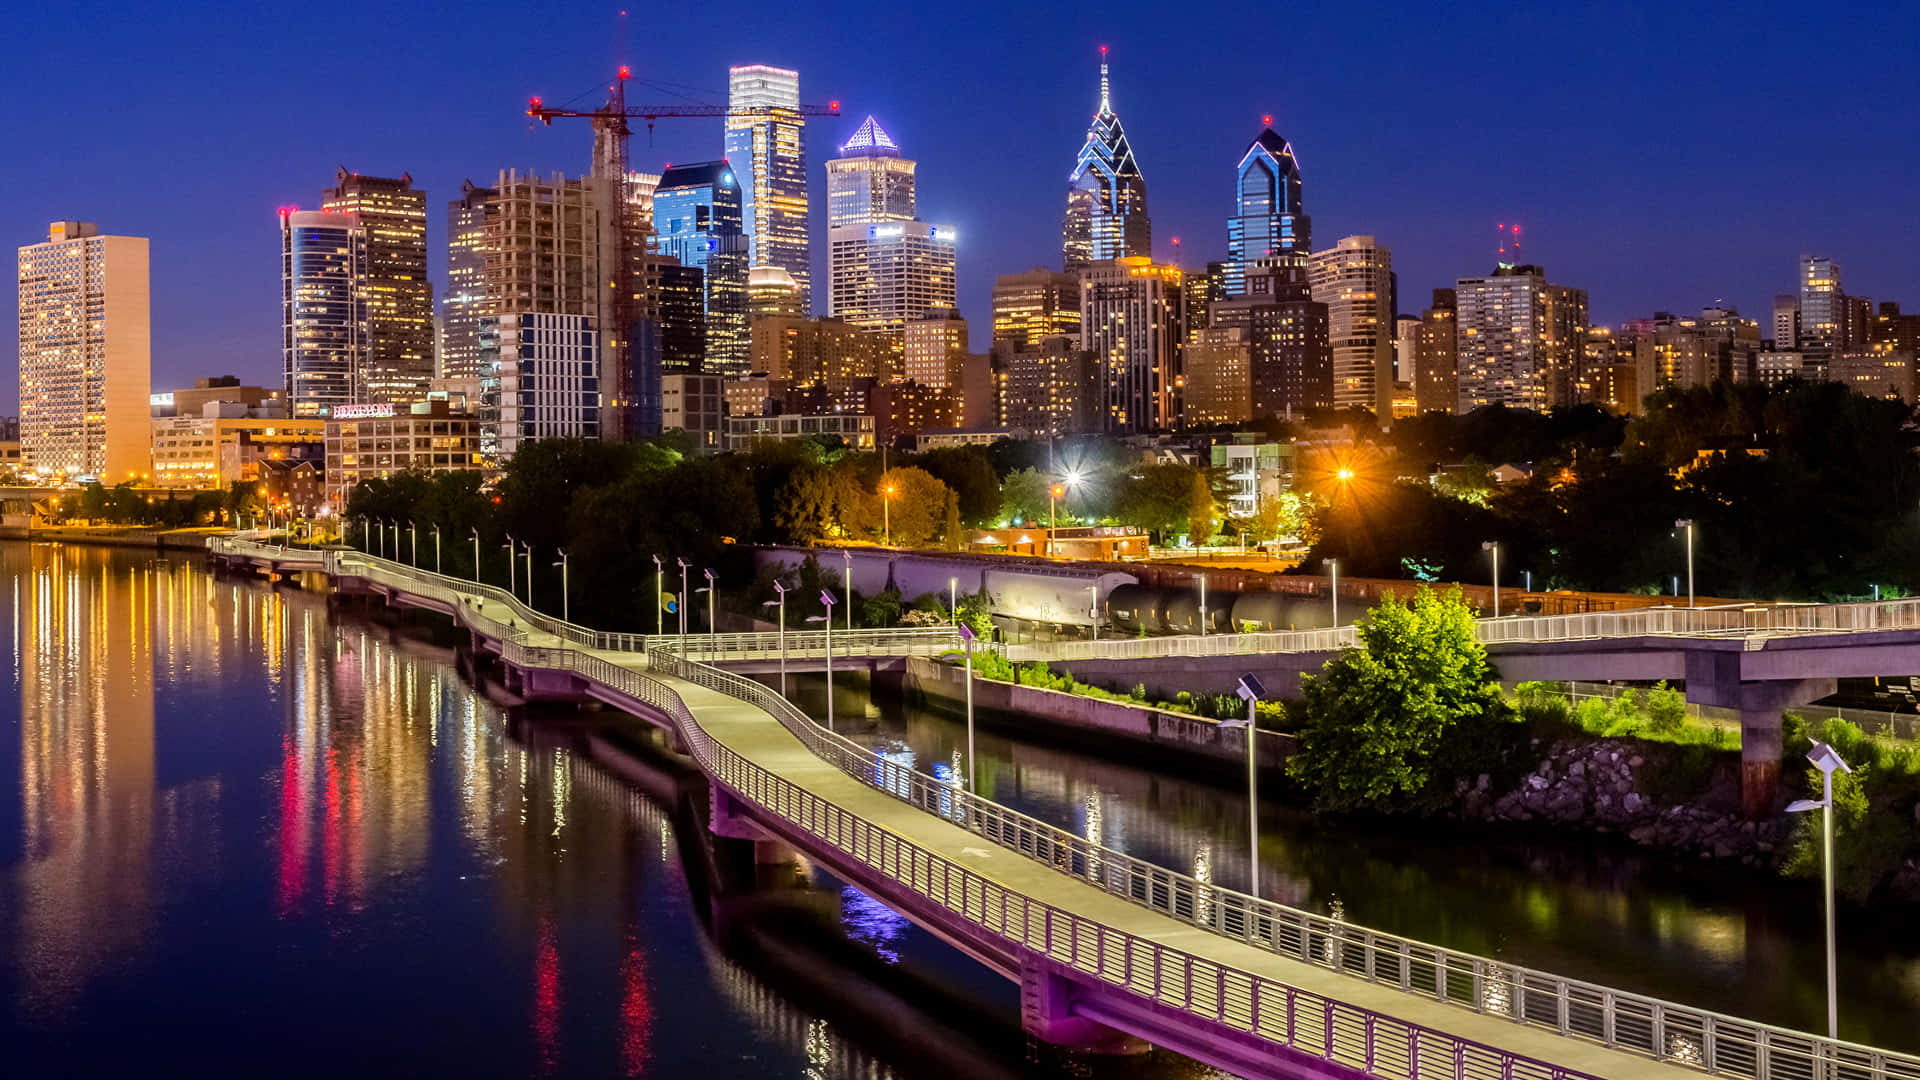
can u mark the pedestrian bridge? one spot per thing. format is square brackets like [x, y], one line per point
[1107, 949]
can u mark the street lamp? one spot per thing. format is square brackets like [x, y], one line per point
[782, 604]
[846, 585]
[413, 539]
[476, 552]
[1203, 605]
[1687, 524]
[1826, 760]
[1053, 494]
[1251, 692]
[566, 595]
[826, 598]
[436, 547]
[886, 514]
[1094, 612]
[659, 596]
[953, 600]
[1489, 545]
[396, 538]
[683, 606]
[526, 550]
[710, 591]
[513, 588]
[1333, 590]
[966, 635]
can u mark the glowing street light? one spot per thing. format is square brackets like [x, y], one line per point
[1687, 525]
[566, 594]
[886, 514]
[1251, 692]
[826, 599]
[1494, 547]
[782, 603]
[1826, 760]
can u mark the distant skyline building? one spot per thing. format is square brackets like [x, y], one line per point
[325, 336]
[1520, 340]
[870, 181]
[1106, 195]
[1786, 322]
[1133, 325]
[766, 145]
[697, 219]
[1820, 307]
[464, 304]
[1436, 358]
[771, 291]
[1030, 307]
[85, 354]
[549, 374]
[935, 351]
[1269, 223]
[399, 297]
[1354, 279]
[881, 277]
[1289, 355]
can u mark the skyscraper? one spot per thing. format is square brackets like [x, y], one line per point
[766, 145]
[936, 349]
[1269, 223]
[464, 303]
[1786, 322]
[1031, 307]
[1132, 323]
[1820, 303]
[1290, 359]
[85, 354]
[696, 219]
[325, 336]
[870, 181]
[1355, 280]
[1106, 195]
[1520, 340]
[399, 298]
[1436, 383]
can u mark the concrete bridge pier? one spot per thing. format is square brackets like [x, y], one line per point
[724, 818]
[1713, 678]
[1046, 1013]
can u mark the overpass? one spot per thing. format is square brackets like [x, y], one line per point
[1107, 949]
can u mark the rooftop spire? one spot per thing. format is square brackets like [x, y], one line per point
[1105, 101]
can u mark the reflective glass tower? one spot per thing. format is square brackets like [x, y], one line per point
[1270, 229]
[766, 145]
[325, 325]
[1106, 195]
[399, 299]
[697, 219]
[870, 181]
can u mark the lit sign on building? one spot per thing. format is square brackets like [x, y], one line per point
[878, 231]
[362, 412]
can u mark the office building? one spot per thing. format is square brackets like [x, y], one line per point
[870, 182]
[679, 313]
[882, 277]
[1355, 280]
[772, 291]
[325, 336]
[549, 375]
[833, 361]
[375, 441]
[1775, 368]
[907, 408]
[464, 305]
[766, 145]
[1290, 357]
[1035, 305]
[854, 430]
[1269, 227]
[225, 443]
[1436, 385]
[399, 299]
[1219, 376]
[1881, 371]
[1821, 305]
[85, 354]
[1680, 351]
[696, 219]
[1131, 321]
[1786, 322]
[1049, 386]
[1406, 348]
[1611, 370]
[695, 404]
[935, 353]
[225, 389]
[1106, 195]
[1520, 340]
[1893, 328]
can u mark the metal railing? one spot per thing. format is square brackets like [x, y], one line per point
[801, 644]
[1268, 1008]
[1331, 639]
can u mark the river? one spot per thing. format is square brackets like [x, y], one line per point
[247, 828]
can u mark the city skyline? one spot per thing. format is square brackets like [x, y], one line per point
[216, 309]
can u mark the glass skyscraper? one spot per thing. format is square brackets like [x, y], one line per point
[324, 310]
[399, 299]
[1106, 195]
[465, 303]
[766, 145]
[697, 219]
[1270, 229]
[870, 182]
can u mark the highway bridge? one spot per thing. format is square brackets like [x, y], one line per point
[1108, 950]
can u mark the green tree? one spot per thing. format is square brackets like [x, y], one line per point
[915, 505]
[969, 472]
[951, 533]
[1023, 496]
[1376, 718]
[1200, 509]
[1161, 499]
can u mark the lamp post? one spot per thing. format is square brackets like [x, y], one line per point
[436, 547]
[1333, 590]
[1093, 613]
[513, 588]
[659, 596]
[1251, 692]
[1686, 524]
[683, 606]
[413, 540]
[846, 585]
[475, 531]
[782, 604]
[886, 514]
[712, 628]
[380, 550]
[566, 594]
[526, 550]
[953, 600]
[826, 599]
[396, 538]
[1826, 760]
[1203, 605]
[1053, 494]
[1489, 545]
[966, 635]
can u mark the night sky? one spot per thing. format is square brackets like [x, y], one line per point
[1662, 156]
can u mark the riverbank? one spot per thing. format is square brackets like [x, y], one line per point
[118, 536]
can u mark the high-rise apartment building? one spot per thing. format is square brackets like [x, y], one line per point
[881, 277]
[935, 353]
[1679, 351]
[1219, 376]
[1106, 195]
[680, 315]
[1786, 322]
[1436, 384]
[697, 220]
[1132, 322]
[840, 362]
[1519, 339]
[1269, 224]
[549, 373]
[870, 181]
[1820, 307]
[399, 298]
[1355, 280]
[1035, 305]
[766, 145]
[464, 305]
[85, 354]
[325, 337]
[1289, 355]
[1049, 386]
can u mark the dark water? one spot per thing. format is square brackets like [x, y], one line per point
[1738, 942]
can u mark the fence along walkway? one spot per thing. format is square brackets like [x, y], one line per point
[1381, 1004]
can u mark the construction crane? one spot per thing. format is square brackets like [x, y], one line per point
[621, 226]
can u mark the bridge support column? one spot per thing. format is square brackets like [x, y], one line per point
[1713, 678]
[1046, 1013]
[772, 852]
[1759, 762]
[724, 819]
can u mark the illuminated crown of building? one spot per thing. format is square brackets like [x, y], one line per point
[1106, 150]
[869, 138]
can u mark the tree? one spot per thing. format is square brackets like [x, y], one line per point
[951, 532]
[969, 472]
[1023, 496]
[1376, 716]
[915, 504]
[1200, 509]
[1161, 499]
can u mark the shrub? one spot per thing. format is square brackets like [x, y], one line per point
[1868, 844]
[1666, 709]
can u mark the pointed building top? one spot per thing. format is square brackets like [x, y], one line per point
[869, 138]
[1106, 100]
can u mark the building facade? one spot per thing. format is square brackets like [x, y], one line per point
[1106, 195]
[1520, 340]
[463, 306]
[1049, 386]
[882, 277]
[85, 354]
[1786, 322]
[1821, 304]
[1290, 357]
[1269, 225]
[766, 145]
[222, 445]
[1131, 321]
[325, 335]
[935, 351]
[1436, 358]
[856, 431]
[870, 181]
[368, 442]
[549, 372]
[695, 404]
[1219, 383]
[1355, 280]
[697, 220]
[399, 299]
[1033, 306]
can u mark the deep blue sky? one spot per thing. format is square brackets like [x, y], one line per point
[1663, 155]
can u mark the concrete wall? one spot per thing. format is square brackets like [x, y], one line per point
[1164, 678]
[1130, 727]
